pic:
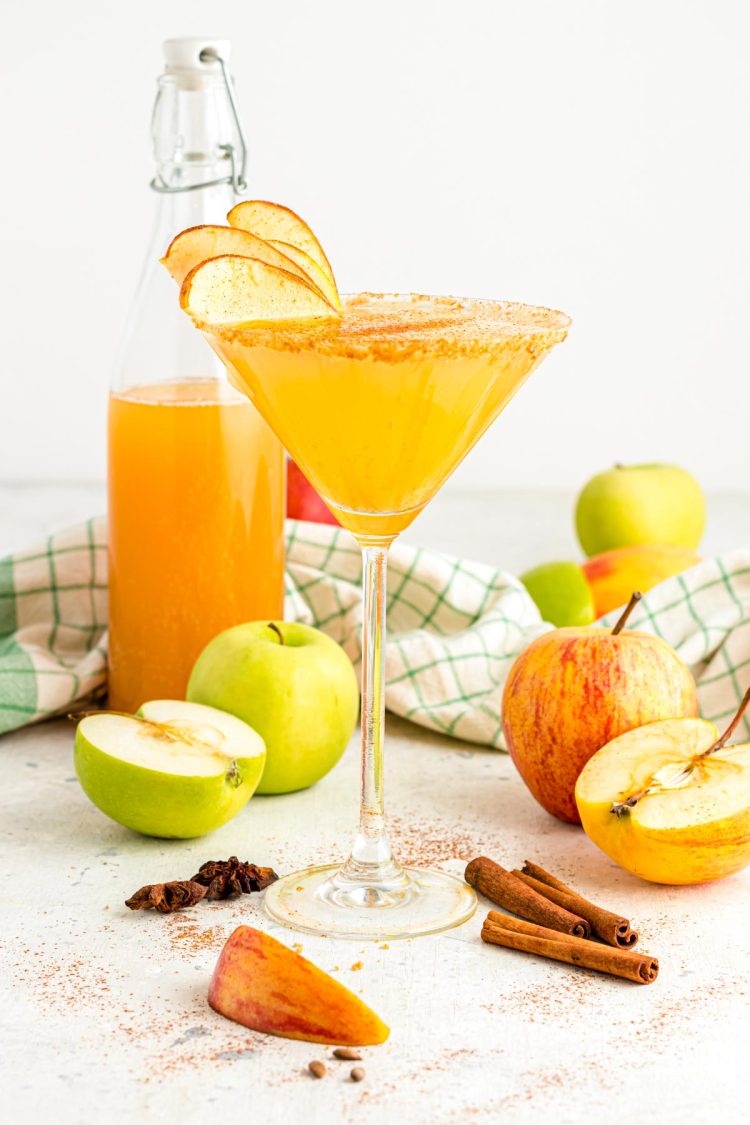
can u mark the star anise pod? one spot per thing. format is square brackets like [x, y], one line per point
[230, 877]
[167, 897]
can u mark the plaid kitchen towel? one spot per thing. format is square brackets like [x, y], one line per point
[455, 626]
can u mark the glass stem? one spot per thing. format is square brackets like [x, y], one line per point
[371, 859]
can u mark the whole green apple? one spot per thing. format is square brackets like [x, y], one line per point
[561, 593]
[632, 504]
[174, 770]
[292, 684]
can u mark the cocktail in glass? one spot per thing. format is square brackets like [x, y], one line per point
[378, 408]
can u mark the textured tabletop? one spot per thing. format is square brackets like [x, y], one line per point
[105, 1016]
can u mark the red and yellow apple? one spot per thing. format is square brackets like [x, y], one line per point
[573, 690]
[670, 802]
[613, 575]
[266, 986]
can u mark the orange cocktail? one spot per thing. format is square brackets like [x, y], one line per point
[379, 407]
[195, 530]
[377, 397]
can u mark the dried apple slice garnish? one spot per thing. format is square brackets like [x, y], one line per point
[310, 268]
[234, 290]
[272, 221]
[197, 244]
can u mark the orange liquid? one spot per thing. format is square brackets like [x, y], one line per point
[379, 407]
[196, 520]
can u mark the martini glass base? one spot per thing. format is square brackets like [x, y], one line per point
[419, 901]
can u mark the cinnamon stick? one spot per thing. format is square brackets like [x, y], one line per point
[510, 892]
[514, 934]
[519, 926]
[611, 928]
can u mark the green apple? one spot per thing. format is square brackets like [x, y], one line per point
[175, 769]
[561, 593]
[632, 504]
[292, 684]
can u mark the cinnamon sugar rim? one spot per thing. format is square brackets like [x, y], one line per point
[393, 326]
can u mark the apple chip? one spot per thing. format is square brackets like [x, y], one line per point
[311, 269]
[197, 244]
[234, 290]
[272, 221]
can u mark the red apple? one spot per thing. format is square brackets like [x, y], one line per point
[302, 501]
[574, 690]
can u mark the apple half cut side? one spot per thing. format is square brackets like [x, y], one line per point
[272, 221]
[197, 244]
[663, 808]
[175, 770]
[234, 290]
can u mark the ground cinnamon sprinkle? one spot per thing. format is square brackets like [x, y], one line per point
[188, 935]
[427, 844]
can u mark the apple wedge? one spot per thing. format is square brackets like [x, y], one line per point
[233, 290]
[197, 244]
[272, 221]
[311, 269]
[670, 801]
[174, 770]
[263, 985]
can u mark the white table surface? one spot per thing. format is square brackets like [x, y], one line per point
[105, 1016]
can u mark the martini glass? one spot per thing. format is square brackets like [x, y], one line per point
[377, 409]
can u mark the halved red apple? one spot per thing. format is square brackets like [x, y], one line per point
[670, 801]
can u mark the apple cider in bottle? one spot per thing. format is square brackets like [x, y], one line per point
[196, 478]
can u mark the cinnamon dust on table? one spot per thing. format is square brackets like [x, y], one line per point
[423, 843]
[187, 936]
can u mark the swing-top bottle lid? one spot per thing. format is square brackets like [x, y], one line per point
[199, 53]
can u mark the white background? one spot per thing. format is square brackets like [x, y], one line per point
[588, 155]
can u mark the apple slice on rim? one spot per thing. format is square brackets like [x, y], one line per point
[311, 270]
[272, 221]
[197, 244]
[234, 290]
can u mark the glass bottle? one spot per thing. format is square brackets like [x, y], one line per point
[196, 478]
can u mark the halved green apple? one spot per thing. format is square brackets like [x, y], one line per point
[174, 770]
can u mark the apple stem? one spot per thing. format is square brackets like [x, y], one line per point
[721, 742]
[634, 599]
[275, 629]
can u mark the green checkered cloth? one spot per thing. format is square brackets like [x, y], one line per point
[455, 626]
